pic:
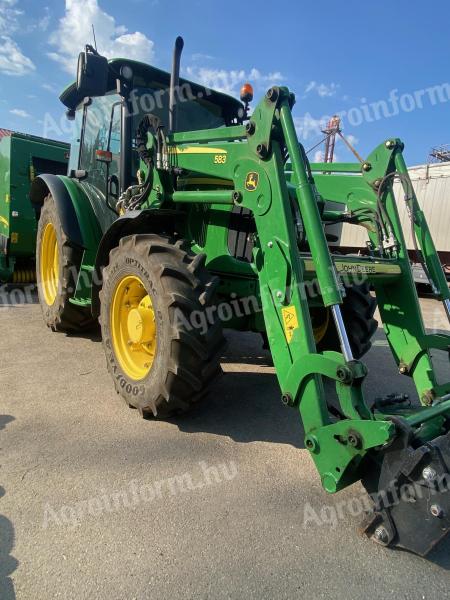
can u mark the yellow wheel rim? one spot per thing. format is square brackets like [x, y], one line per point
[49, 264]
[320, 329]
[133, 327]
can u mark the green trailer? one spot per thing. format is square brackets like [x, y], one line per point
[23, 158]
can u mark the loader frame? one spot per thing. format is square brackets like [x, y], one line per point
[233, 158]
[337, 448]
[202, 176]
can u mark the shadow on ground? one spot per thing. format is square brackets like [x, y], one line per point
[8, 564]
[441, 555]
[245, 403]
[247, 408]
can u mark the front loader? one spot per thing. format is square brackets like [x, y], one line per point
[183, 214]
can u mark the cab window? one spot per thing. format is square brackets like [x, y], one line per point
[98, 134]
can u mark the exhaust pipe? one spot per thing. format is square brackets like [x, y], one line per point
[174, 82]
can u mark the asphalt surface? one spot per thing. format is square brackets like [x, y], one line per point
[89, 507]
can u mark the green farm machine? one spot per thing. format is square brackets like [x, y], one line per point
[22, 158]
[184, 212]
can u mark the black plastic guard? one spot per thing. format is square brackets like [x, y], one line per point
[412, 496]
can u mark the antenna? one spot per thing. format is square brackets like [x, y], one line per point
[93, 33]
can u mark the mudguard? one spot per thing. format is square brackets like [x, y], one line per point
[54, 185]
[78, 219]
[131, 223]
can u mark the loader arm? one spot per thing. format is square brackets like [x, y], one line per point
[173, 234]
[251, 161]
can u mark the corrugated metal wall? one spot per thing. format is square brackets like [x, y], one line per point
[432, 186]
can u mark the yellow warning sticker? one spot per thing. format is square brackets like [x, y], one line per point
[14, 237]
[290, 321]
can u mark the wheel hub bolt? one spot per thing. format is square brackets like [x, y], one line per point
[381, 535]
[250, 127]
[141, 326]
[437, 511]
[429, 474]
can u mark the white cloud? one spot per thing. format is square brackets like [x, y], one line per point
[231, 81]
[50, 88]
[270, 78]
[352, 139]
[75, 31]
[318, 156]
[322, 89]
[199, 57]
[9, 16]
[40, 24]
[18, 112]
[43, 23]
[308, 127]
[12, 59]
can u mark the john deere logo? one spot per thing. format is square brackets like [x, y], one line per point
[251, 181]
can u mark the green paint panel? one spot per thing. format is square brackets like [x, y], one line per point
[22, 158]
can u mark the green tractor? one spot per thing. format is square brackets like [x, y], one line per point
[183, 214]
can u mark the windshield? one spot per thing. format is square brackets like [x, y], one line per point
[193, 112]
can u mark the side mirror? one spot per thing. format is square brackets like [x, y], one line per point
[92, 73]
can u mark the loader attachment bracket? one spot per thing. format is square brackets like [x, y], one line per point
[411, 495]
[339, 448]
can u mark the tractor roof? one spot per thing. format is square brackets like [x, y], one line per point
[144, 75]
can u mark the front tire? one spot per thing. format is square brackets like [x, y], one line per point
[161, 337]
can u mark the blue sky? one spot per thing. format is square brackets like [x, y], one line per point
[336, 57]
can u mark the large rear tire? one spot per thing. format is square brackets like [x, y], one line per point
[57, 266]
[162, 344]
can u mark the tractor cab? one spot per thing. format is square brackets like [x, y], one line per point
[108, 104]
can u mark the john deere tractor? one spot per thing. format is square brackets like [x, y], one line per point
[184, 212]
